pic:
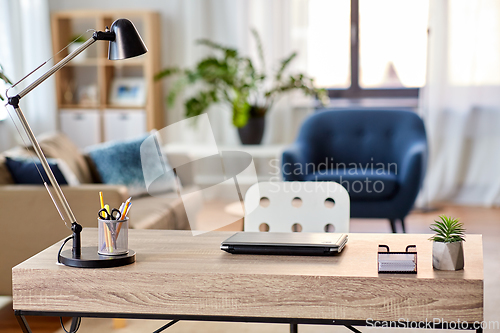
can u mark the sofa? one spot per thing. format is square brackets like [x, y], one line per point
[29, 221]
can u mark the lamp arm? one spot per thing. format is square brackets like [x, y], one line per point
[78, 258]
[14, 101]
[57, 67]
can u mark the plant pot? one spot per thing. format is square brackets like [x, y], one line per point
[252, 132]
[448, 256]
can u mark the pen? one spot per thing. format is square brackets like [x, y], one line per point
[121, 209]
[125, 212]
[128, 209]
[125, 204]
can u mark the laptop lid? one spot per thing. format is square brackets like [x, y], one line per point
[293, 243]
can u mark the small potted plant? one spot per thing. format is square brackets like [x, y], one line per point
[447, 249]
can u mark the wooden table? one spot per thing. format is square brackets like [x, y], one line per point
[178, 276]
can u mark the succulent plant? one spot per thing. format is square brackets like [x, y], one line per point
[448, 230]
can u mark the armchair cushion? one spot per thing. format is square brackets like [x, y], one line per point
[361, 184]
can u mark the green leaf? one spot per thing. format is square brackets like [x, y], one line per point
[174, 91]
[166, 73]
[448, 230]
[198, 104]
[284, 64]
[260, 50]
[228, 52]
[241, 109]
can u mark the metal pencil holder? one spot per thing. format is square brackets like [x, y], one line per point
[113, 237]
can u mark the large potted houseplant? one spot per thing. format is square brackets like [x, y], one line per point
[447, 247]
[228, 77]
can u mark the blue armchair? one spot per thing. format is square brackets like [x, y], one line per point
[379, 156]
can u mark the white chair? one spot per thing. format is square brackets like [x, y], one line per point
[297, 206]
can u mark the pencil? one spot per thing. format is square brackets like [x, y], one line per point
[102, 201]
[109, 237]
[106, 230]
[109, 241]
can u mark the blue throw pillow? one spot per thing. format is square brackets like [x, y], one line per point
[120, 163]
[24, 171]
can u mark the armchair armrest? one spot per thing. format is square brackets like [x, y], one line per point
[29, 221]
[413, 165]
[292, 157]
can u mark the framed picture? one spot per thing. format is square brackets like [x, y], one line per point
[128, 92]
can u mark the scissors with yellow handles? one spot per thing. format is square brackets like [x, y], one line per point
[115, 214]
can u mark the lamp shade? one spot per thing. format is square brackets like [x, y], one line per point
[127, 43]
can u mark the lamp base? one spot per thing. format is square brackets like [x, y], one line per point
[91, 259]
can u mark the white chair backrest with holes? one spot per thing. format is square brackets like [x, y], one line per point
[297, 206]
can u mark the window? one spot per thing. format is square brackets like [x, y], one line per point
[328, 54]
[368, 48]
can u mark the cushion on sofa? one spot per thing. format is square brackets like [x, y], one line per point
[127, 162]
[119, 163]
[59, 146]
[164, 211]
[96, 178]
[5, 176]
[24, 171]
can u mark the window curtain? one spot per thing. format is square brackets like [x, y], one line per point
[25, 43]
[461, 103]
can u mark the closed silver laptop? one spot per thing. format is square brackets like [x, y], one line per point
[285, 243]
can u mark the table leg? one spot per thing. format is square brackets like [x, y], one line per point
[355, 330]
[294, 328]
[164, 327]
[23, 323]
[75, 324]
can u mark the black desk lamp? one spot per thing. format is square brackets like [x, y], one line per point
[124, 42]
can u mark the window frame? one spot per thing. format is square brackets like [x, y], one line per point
[355, 90]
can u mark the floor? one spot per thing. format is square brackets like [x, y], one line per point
[477, 220]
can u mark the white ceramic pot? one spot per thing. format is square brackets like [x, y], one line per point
[447, 256]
